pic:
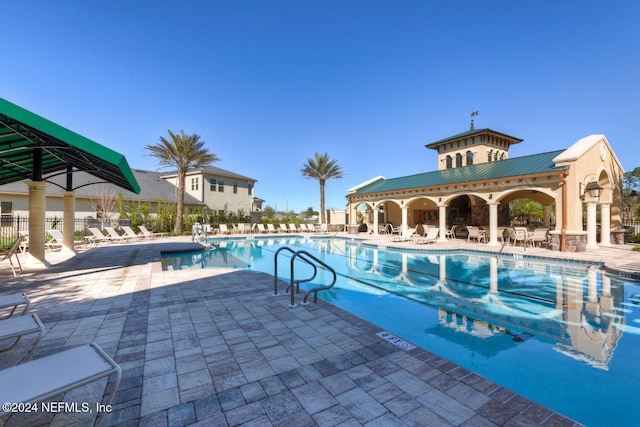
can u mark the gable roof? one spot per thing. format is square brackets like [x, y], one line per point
[153, 187]
[25, 136]
[212, 171]
[518, 166]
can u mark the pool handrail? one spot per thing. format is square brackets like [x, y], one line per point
[314, 290]
[275, 269]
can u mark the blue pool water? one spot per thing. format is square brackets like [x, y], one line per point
[564, 335]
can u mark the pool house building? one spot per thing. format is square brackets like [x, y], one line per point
[475, 181]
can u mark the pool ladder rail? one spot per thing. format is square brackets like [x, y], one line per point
[294, 285]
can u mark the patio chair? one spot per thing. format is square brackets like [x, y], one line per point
[50, 376]
[13, 301]
[113, 234]
[261, 228]
[476, 233]
[431, 237]
[451, 233]
[128, 231]
[97, 236]
[539, 237]
[293, 228]
[303, 227]
[283, 228]
[14, 328]
[311, 228]
[11, 252]
[222, 229]
[324, 229]
[406, 236]
[24, 244]
[271, 228]
[520, 234]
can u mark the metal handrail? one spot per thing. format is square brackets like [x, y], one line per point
[275, 269]
[294, 286]
[314, 290]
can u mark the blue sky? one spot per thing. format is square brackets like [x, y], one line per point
[268, 83]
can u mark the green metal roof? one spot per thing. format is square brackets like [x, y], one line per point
[22, 131]
[518, 166]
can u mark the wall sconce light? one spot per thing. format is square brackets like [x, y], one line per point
[592, 187]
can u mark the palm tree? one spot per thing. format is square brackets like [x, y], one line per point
[182, 152]
[322, 169]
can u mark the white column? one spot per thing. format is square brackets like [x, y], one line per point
[442, 217]
[591, 226]
[404, 227]
[375, 220]
[493, 224]
[605, 224]
[37, 210]
[68, 219]
[546, 215]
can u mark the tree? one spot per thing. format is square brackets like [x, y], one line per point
[525, 210]
[182, 152]
[322, 168]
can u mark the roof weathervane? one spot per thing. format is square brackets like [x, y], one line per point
[473, 113]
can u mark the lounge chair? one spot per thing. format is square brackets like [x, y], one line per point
[222, 229]
[50, 376]
[431, 237]
[271, 228]
[293, 228]
[14, 301]
[324, 229]
[303, 227]
[11, 252]
[476, 233]
[261, 228]
[56, 240]
[128, 231]
[149, 234]
[98, 237]
[311, 228]
[406, 236]
[24, 245]
[14, 328]
[283, 228]
[114, 236]
[240, 229]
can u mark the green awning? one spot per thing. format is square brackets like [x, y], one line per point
[22, 133]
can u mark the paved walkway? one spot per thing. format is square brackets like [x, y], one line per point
[215, 348]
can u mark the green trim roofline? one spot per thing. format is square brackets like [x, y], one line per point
[22, 132]
[537, 164]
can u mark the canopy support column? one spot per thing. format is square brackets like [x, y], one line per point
[37, 205]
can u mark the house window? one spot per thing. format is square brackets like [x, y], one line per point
[195, 183]
[6, 208]
[449, 162]
[221, 186]
[458, 160]
[250, 188]
[235, 187]
[490, 152]
[213, 184]
[469, 158]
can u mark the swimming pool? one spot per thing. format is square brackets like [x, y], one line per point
[564, 335]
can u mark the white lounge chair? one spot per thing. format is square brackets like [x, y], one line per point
[271, 228]
[55, 241]
[114, 236]
[431, 237]
[311, 228]
[13, 301]
[261, 228]
[149, 234]
[98, 237]
[293, 228]
[24, 244]
[283, 228]
[128, 231]
[50, 376]
[222, 229]
[14, 328]
[11, 252]
[406, 236]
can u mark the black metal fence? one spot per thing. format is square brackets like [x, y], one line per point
[12, 226]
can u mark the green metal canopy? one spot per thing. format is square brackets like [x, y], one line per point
[32, 147]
